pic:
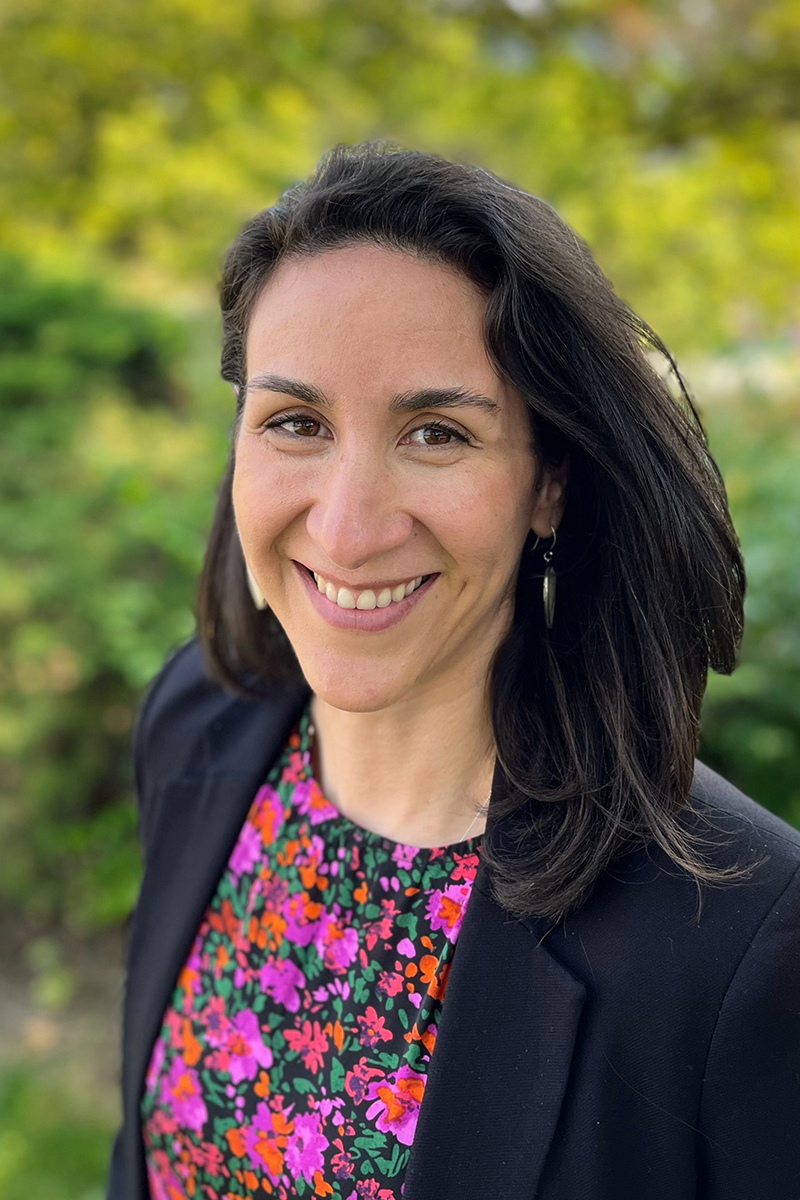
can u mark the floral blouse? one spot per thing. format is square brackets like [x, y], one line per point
[293, 1055]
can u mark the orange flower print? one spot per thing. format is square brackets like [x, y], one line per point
[397, 1102]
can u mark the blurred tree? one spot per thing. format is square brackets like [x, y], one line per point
[145, 133]
[105, 488]
[751, 721]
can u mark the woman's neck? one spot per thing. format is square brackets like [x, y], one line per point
[414, 772]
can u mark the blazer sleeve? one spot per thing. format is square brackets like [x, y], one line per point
[154, 730]
[749, 1127]
[141, 754]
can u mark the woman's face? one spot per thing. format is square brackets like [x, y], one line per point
[346, 468]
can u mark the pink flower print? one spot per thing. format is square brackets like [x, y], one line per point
[174, 1024]
[261, 1142]
[164, 1183]
[299, 930]
[310, 801]
[329, 1105]
[342, 1164]
[305, 1147]
[336, 943]
[382, 927]
[465, 868]
[404, 855]
[280, 978]
[309, 1042]
[156, 1063]
[357, 1081]
[370, 1189]
[247, 850]
[339, 987]
[214, 1021]
[245, 1047]
[397, 1100]
[446, 908]
[406, 946]
[266, 814]
[207, 1156]
[372, 1028]
[390, 982]
[273, 892]
[294, 769]
[159, 1124]
[180, 1092]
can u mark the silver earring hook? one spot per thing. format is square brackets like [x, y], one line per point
[548, 554]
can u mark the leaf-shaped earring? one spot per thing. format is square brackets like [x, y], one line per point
[549, 583]
[255, 591]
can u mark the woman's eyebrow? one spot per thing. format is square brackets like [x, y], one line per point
[455, 397]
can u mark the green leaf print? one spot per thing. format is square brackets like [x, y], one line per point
[371, 1142]
[360, 990]
[408, 921]
[390, 1166]
[337, 1075]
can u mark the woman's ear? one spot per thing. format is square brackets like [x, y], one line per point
[550, 499]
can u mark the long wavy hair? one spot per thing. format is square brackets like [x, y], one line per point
[596, 720]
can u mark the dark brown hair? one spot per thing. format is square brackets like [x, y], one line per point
[596, 720]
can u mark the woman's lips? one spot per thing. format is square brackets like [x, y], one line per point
[361, 619]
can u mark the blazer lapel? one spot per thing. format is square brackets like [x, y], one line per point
[499, 1068]
[199, 819]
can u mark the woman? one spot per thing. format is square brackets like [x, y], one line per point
[437, 900]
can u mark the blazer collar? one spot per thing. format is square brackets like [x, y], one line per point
[498, 1075]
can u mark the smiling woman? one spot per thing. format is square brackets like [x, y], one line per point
[391, 766]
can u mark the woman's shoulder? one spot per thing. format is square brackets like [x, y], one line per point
[679, 934]
[188, 723]
[742, 823]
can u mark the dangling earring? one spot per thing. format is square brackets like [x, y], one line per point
[255, 591]
[549, 583]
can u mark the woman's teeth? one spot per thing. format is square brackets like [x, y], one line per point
[346, 598]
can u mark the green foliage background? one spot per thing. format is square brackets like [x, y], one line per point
[137, 137]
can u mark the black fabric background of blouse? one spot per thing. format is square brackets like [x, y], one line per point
[628, 1054]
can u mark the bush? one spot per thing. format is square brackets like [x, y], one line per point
[751, 720]
[106, 482]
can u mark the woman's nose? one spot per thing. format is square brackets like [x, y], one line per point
[358, 514]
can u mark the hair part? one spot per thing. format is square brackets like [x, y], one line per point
[595, 721]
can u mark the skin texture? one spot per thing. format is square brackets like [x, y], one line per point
[361, 495]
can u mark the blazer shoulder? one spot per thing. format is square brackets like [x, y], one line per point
[175, 709]
[748, 827]
[189, 724]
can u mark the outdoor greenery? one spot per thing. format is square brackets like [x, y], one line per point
[136, 138]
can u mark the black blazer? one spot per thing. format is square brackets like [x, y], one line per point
[629, 1054]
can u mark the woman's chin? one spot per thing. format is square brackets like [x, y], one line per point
[356, 687]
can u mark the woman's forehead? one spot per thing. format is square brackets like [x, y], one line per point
[367, 314]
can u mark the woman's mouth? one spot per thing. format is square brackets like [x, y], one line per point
[364, 609]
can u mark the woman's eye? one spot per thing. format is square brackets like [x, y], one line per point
[441, 432]
[301, 419]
